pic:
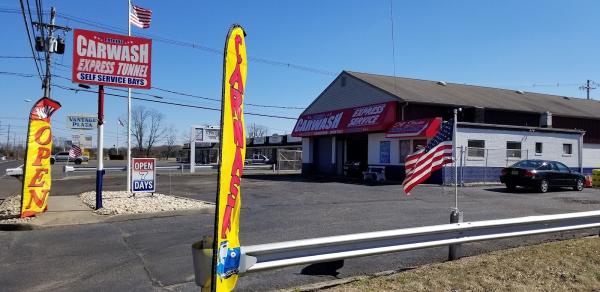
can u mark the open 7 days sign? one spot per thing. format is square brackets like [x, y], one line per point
[143, 175]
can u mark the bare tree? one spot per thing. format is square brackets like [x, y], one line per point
[146, 128]
[257, 131]
[170, 140]
[155, 131]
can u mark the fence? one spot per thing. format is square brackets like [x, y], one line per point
[289, 159]
[482, 165]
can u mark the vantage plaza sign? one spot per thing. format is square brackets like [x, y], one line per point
[368, 118]
[82, 122]
[111, 59]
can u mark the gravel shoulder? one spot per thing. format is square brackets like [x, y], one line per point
[121, 202]
[570, 265]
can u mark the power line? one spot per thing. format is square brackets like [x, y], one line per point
[189, 44]
[198, 46]
[138, 98]
[189, 95]
[174, 103]
[29, 38]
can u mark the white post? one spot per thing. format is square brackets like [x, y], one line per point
[193, 150]
[118, 125]
[128, 112]
[100, 147]
[580, 160]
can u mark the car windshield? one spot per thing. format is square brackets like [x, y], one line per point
[528, 164]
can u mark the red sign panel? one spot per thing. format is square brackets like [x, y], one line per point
[415, 128]
[111, 59]
[368, 118]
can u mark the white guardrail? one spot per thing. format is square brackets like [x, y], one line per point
[261, 257]
[18, 171]
[70, 168]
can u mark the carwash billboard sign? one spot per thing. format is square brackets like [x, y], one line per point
[111, 59]
[368, 118]
[143, 175]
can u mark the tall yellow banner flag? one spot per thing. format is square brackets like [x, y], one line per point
[226, 249]
[36, 168]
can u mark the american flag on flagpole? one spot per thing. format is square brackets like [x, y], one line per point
[139, 16]
[419, 165]
[75, 151]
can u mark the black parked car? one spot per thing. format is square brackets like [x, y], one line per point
[542, 175]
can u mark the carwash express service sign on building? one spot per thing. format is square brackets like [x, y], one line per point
[368, 118]
[143, 175]
[111, 59]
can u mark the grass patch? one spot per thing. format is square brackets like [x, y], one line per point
[557, 266]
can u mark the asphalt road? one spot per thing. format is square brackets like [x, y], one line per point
[154, 254]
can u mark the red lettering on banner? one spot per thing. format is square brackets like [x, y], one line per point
[40, 132]
[37, 179]
[39, 201]
[236, 94]
[42, 153]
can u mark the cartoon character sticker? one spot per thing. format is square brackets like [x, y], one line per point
[228, 263]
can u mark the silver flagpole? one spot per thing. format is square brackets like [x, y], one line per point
[128, 111]
[454, 157]
[456, 216]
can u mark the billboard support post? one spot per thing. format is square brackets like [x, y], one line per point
[100, 147]
[193, 150]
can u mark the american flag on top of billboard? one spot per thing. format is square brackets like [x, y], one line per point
[75, 151]
[419, 165]
[139, 16]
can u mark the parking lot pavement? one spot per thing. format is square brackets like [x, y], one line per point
[155, 252]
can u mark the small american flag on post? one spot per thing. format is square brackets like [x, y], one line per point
[419, 165]
[75, 151]
[139, 16]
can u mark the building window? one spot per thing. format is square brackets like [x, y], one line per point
[513, 149]
[418, 144]
[384, 152]
[404, 147]
[567, 149]
[539, 148]
[476, 148]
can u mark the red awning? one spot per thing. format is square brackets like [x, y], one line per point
[415, 128]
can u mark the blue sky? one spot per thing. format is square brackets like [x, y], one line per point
[526, 45]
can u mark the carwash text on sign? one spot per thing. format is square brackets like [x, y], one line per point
[111, 59]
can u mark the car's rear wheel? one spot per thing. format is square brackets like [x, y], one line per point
[78, 161]
[51, 160]
[511, 187]
[543, 186]
[579, 185]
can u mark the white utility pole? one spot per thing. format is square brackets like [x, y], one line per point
[128, 111]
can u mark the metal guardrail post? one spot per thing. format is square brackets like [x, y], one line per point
[456, 216]
[202, 255]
